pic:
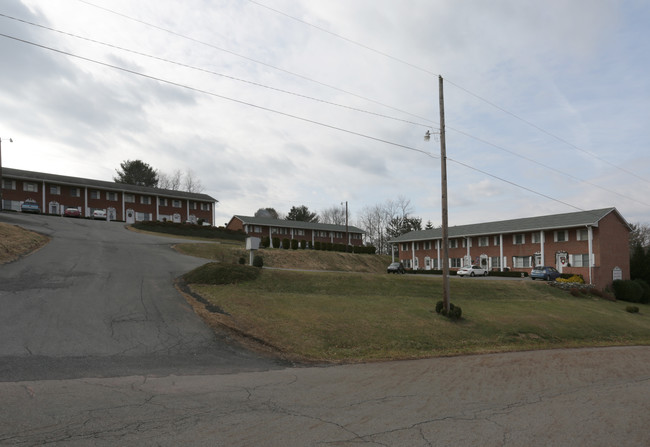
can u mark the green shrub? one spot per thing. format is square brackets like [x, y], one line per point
[294, 244]
[242, 260]
[221, 273]
[303, 244]
[568, 278]
[265, 242]
[317, 245]
[276, 242]
[645, 298]
[627, 290]
[258, 261]
[455, 312]
[632, 309]
[188, 229]
[439, 306]
[286, 243]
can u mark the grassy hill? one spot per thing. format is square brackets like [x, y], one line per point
[291, 259]
[350, 317]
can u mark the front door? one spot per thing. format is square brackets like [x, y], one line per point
[561, 259]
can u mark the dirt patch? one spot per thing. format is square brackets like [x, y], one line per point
[16, 242]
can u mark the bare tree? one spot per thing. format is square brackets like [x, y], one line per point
[639, 235]
[179, 181]
[191, 183]
[170, 181]
[333, 215]
[376, 221]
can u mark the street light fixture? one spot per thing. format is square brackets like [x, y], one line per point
[1, 182]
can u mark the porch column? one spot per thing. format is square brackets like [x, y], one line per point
[590, 238]
[501, 253]
[541, 248]
[413, 254]
[438, 251]
[469, 255]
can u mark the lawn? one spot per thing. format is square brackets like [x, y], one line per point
[348, 317]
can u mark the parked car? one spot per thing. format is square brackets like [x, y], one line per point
[72, 212]
[99, 214]
[30, 206]
[472, 270]
[395, 267]
[546, 273]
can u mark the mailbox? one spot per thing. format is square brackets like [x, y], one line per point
[253, 243]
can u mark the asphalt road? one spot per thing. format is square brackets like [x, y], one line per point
[98, 348]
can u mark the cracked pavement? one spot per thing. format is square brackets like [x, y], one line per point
[140, 369]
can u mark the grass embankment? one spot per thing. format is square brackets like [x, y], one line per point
[16, 242]
[334, 317]
[293, 259]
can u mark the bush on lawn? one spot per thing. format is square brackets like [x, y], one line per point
[628, 290]
[221, 273]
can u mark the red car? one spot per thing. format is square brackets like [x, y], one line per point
[72, 212]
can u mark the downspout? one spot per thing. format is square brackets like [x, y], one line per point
[542, 242]
[438, 251]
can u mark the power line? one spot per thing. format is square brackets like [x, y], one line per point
[318, 123]
[492, 104]
[303, 77]
[234, 78]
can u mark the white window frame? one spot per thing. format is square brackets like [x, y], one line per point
[580, 232]
[95, 194]
[129, 198]
[177, 204]
[9, 184]
[30, 187]
[563, 232]
[535, 237]
[145, 200]
[111, 196]
[55, 190]
[515, 236]
[484, 241]
[162, 201]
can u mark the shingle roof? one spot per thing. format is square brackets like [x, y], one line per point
[112, 186]
[270, 222]
[551, 222]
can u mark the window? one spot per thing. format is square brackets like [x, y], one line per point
[145, 200]
[162, 201]
[278, 231]
[518, 239]
[496, 262]
[561, 236]
[129, 198]
[30, 187]
[112, 196]
[466, 241]
[453, 243]
[205, 207]
[299, 232]
[75, 192]
[176, 203]
[94, 194]
[55, 190]
[520, 262]
[536, 237]
[582, 235]
[580, 261]
[427, 245]
[192, 205]
[257, 229]
[497, 241]
[417, 245]
[405, 246]
[484, 241]
[455, 263]
[9, 184]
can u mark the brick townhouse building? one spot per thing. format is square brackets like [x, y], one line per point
[291, 229]
[591, 243]
[129, 203]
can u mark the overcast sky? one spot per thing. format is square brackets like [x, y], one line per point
[281, 103]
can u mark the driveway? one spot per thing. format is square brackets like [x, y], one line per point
[97, 348]
[99, 300]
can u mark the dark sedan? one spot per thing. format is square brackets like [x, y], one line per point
[546, 273]
[395, 267]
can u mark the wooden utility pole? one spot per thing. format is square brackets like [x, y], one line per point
[443, 177]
